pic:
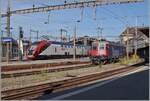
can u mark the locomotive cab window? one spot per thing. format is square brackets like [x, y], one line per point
[94, 46]
[101, 46]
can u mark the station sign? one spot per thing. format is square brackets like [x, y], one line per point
[7, 39]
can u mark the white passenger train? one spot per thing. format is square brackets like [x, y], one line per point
[52, 49]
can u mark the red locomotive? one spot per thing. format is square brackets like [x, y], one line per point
[106, 51]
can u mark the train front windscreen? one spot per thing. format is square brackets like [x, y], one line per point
[94, 45]
[32, 48]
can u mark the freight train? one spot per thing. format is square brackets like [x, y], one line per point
[105, 51]
[46, 49]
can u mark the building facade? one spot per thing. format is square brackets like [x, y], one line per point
[136, 38]
[10, 48]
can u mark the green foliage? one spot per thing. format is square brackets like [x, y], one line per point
[132, 59]
[43, 73]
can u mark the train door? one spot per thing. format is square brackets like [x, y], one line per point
[110, 51]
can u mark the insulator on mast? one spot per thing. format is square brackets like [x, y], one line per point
[81, 14]
[94, 12]
[48, 18]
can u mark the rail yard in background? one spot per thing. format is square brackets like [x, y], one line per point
[49, 66]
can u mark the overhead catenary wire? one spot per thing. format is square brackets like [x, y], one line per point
[117, 17]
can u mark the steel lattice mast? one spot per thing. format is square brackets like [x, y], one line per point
[71, 6]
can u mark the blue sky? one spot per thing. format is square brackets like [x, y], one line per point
[110, 18]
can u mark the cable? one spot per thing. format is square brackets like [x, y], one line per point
[115, 16]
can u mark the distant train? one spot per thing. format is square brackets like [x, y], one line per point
[52, 49]
[106, 51]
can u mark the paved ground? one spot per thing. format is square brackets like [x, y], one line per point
[131, 87]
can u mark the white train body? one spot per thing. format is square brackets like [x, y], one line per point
[55, 49]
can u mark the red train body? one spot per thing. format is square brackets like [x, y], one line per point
[106, 51]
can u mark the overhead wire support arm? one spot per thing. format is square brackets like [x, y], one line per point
[71, 5]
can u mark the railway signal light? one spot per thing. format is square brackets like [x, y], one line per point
[20, 32]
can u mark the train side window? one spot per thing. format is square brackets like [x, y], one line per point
[65, 53]
[55, 49]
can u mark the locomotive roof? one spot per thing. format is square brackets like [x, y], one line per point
[112, 43]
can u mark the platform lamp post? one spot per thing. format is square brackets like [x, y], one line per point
[74, 39]
[0, 37]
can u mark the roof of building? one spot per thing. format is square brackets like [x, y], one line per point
[132, 30]
[145, 30]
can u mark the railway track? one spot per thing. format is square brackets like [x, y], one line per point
[37, 90]
[19, 73]
[7, 68]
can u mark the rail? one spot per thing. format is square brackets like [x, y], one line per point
[37, 66]
[37, 90]
[19, 73]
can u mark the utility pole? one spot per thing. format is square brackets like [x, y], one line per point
[20, 52]
[61, 35]
[94, 12]
[47, 22]
[0, 38]
[37, 35]
[135, 50]
[74, 39]
[127, 47]
[100, 32]
[74, 42]
[81, 15]
[9, 44]
[30, 37]
[8, 19]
